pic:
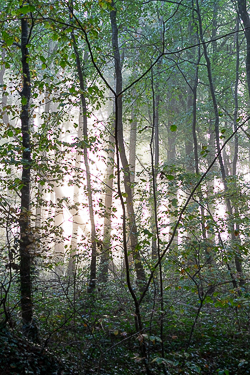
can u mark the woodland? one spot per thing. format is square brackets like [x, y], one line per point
[124, 187]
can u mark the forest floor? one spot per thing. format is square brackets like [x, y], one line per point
[210, 354]
[20, 357]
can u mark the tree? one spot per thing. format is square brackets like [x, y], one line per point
[246, 22]
[25, 228]
[122, 154]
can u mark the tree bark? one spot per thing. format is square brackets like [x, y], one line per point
[126, 170]
[132, 146]
[236, 238]
[171, 159]
[107, 225]
[73, 242]
[5, 116]
[189, 146]
[29, 327]
[246, 22]
[155, 165]
[59, 232]
[92, 279]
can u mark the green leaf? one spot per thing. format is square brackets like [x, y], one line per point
[94, 33]
[161, 361]
[104, 5]
[146, 232]
[25, 9]
[55, 37]
[9, 40]
[24, 100]
[42, 58]
[173, 128]
[174, 202]
[155, 338]
[170, 177]
[63, 63]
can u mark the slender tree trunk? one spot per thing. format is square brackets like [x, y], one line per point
[132, 157]
[246, 22]
[132, 146]
[29, 328]
[5, 116]
[194, 114]
[59, 231]
[120, 152]
[171, 159]
[76, 192]
[127, 182]
[189, 146]
[47, 106]
[209, 257]
[171, 151]
[155, 164]
[242, 4]
[92, 280]
[235, 232]
[190, 134]
[210, 182]
[156, 132]
[211, 145]
[195, 142]
[105, 257]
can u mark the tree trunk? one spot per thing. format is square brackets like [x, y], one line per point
[47, 107]
[132, 146]
[155, 166]
[92, 280]
[29, 327]
[109, 180]
[5, 116]
[75, 224]
[188, 133]
[246, 22]
[171, 159]
[59, 231]
[236, 238]
[127, 182]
